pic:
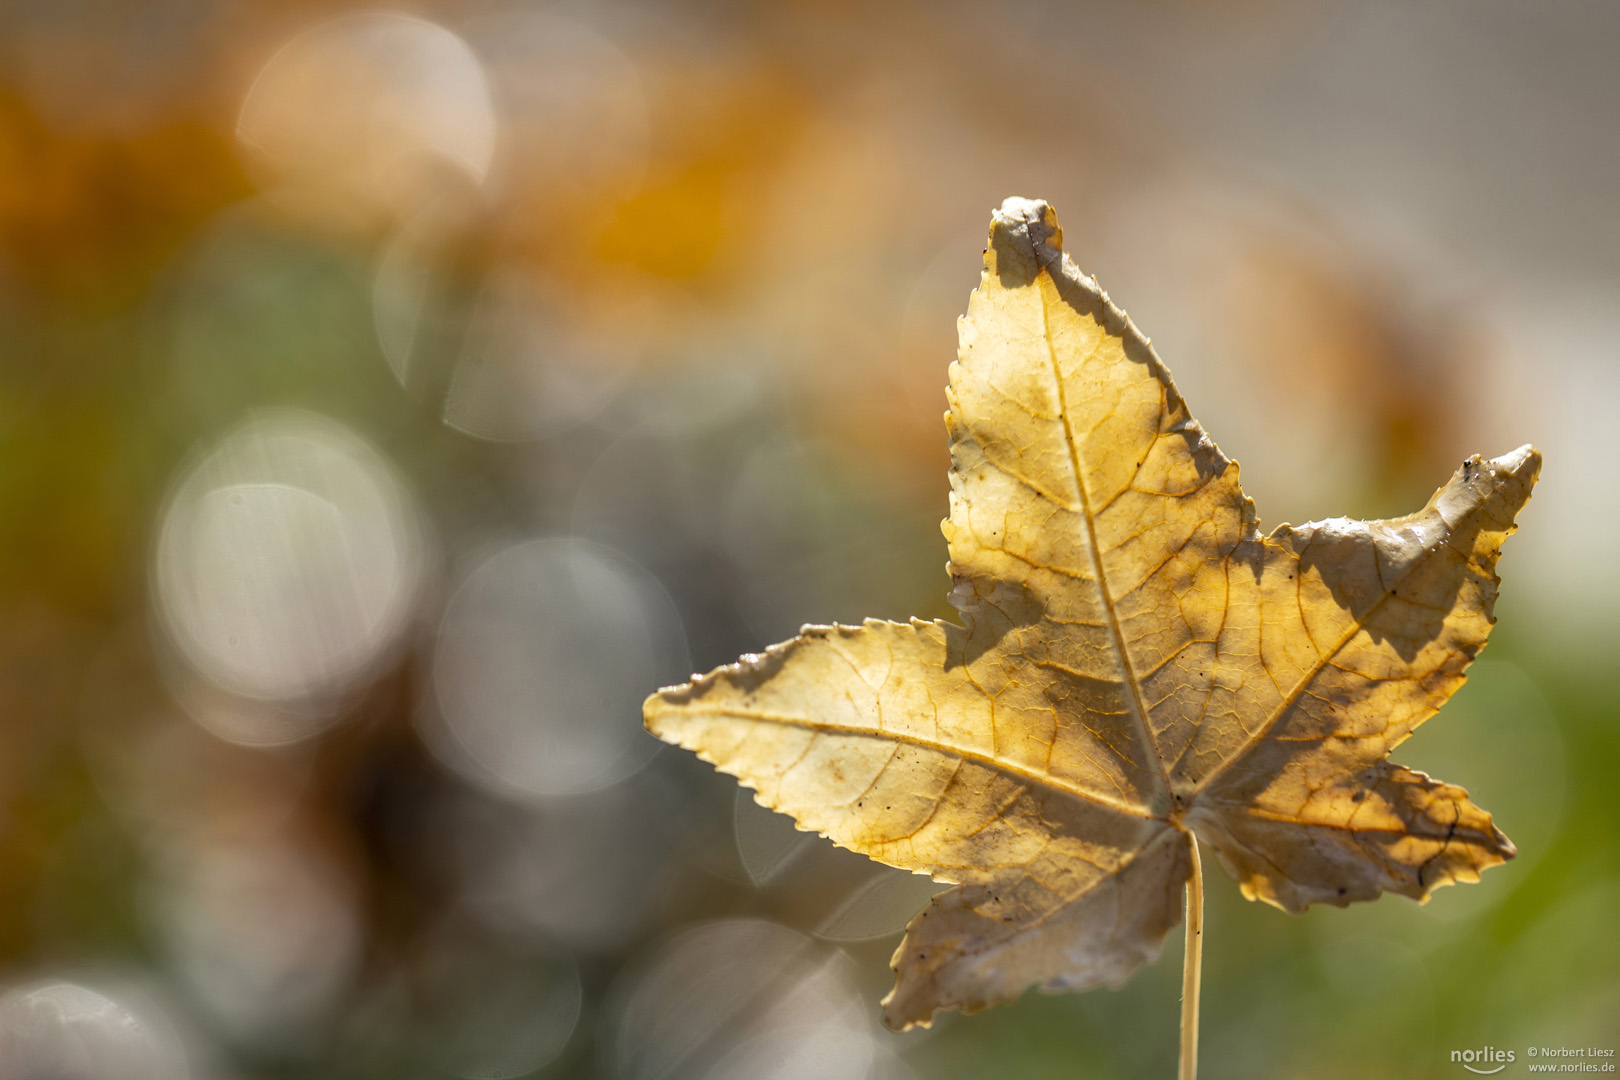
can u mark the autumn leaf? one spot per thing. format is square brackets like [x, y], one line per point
[1137, 666]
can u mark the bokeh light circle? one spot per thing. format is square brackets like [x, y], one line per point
[287, 561]
[544, 655]
[264, 932]
[742, 999]
[64, 1031]
[359, 108]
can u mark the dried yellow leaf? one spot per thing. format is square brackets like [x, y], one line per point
[1136, 666]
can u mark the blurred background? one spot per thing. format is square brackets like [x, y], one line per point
[390, 399]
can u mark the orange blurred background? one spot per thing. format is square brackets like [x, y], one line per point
[391, 398]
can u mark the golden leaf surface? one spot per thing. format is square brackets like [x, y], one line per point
[1136, 666]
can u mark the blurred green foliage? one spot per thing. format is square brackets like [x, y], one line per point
[771, 454]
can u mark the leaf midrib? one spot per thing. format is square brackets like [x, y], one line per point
[1127, 671]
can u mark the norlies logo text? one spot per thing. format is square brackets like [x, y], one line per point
[1488, 1055]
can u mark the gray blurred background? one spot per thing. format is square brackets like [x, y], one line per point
[391, 398]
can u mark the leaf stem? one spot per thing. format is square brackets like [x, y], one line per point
[1192, 965]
